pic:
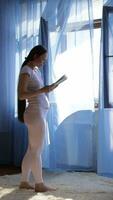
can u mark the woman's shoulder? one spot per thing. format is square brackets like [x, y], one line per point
[26, 69]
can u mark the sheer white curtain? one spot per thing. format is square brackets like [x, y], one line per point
[75, 59]
[70, 25]
[72, 53]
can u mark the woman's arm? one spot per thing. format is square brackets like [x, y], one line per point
[22, 88]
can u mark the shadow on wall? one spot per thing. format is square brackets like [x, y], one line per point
[76, 142]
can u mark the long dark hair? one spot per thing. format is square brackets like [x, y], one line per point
[37, 50]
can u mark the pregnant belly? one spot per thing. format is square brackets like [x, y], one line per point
[39, 102]
[34, 114]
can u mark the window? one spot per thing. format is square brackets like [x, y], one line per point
[97, 9]
[76, 62]
[72, 38]
[97, 16]
[74, 59]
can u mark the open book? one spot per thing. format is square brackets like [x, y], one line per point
[60, 80]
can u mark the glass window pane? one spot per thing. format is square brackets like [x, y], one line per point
[110, 80]
[96, 53]
[110, 33]
[97, 9]
[79, 12]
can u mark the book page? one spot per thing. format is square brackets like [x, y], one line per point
[60, 80]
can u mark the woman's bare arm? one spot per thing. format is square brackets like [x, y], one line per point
[22, 88]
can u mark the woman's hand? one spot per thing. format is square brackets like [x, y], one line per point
[49, 88]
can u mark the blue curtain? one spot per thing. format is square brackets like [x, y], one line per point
[7, 79]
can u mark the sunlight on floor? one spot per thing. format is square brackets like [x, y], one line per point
[49, 197]
[5, 191]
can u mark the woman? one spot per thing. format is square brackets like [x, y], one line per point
[32, 89]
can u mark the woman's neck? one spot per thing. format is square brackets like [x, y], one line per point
[31, 64]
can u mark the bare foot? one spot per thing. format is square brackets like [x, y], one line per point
[40, 187]
[25, 185]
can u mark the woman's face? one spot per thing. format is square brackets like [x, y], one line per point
[39, 61]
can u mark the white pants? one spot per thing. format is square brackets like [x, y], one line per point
[35, 121]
